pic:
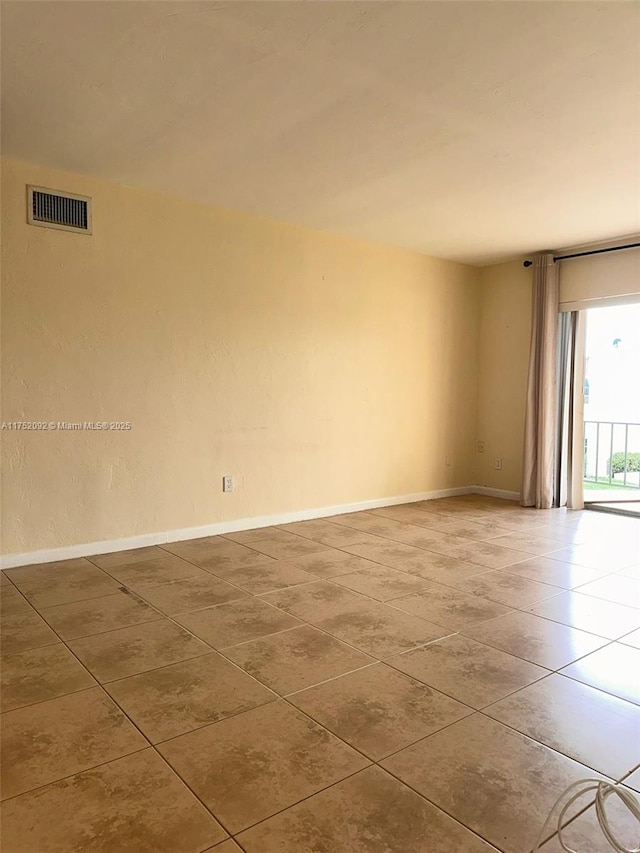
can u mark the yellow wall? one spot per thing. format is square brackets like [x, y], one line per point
[317, 370]
[505, 331]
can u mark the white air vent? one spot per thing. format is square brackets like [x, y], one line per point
[55, 209]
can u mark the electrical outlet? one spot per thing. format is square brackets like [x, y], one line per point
[497, 463]
[482, 446]
[227, 483]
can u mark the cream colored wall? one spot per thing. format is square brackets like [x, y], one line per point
[317, 370]
[505, 330]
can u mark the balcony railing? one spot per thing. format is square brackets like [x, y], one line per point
[611, 455]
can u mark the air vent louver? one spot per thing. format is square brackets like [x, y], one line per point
[54, 209]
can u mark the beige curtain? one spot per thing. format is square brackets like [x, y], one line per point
[569, 487]
[540, 423]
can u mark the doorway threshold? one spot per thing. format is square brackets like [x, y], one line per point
[628, 508]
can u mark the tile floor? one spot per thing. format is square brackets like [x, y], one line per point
[414, 679]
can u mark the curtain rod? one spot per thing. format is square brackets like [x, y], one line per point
[591, 252]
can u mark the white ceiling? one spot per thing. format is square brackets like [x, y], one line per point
[476, 131]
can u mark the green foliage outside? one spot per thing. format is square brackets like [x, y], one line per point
[617, 466]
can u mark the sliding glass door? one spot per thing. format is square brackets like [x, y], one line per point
[612, 407]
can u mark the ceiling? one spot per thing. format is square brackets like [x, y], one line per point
[476, 131]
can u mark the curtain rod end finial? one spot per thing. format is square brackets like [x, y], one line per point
[527, 264]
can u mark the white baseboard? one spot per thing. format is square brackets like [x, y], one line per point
[68, 552]
[496, 493]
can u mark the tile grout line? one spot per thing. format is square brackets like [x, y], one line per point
[139, 730]
[404, 651]
[306, 622]
[153, 746]
[368, 665]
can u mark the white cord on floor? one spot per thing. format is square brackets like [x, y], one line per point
[602, 791]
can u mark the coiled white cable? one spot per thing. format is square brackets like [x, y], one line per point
[602, 790]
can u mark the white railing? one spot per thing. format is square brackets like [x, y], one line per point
[612, 454]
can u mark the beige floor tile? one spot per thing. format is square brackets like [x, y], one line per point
[325, 532]
[564, 534]
[613, 669]
[439, 568]
[467, 670]
[42, 571]
[526, 523]
[449, 607]
[39, 674]
[138, 576]
[584, 833]
[176, 699]
[495, 781]
[275, 575]
[416, 536]
[56, 738]
[596, 556]
[382, 582]
[244, 777]
[194, 593]
[481, 553]
[546, 570]
[536, 543]
[136, 804]
[281, 549]
[204, 548]
[589, 614]
[244, 537]
[317, 601]
[455, 509]
[235, 561]
[367, 522]
[619, 589]
[123, 558]
[385, 552]
[379, 710]
[128, 651]
[236, 622]
[538, 640]
[632, 639]
[12, 601]
[97, 615]
[368, 813]
[567, 533]
[510, 590]
[381, 630]
[24, 630]
[411, 516]
[448, 547]
[594, 728]
[472, 529]
[62, 586]
[296, 659]
[330, 563]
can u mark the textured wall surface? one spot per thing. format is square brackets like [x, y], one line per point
[317, 370]
[505, 333]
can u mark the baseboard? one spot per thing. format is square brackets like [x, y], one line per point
[495, 493]
[52, 555]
